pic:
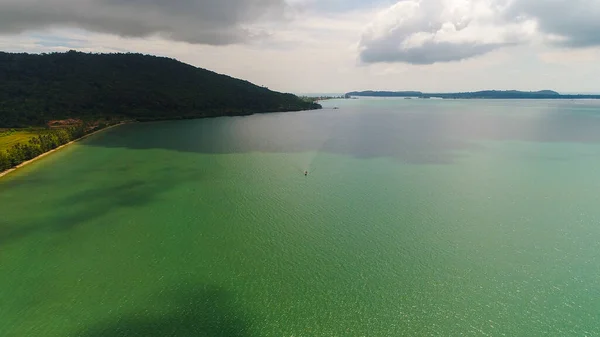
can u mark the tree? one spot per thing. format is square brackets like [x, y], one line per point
[4, 162]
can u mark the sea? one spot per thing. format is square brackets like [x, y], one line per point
[416, 218]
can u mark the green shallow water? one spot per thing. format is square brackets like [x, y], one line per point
[419, 218]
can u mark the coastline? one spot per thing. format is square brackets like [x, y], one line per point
[2, 174]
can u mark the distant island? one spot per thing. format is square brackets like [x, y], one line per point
[48, 100]
[486, 94]
[322, 98]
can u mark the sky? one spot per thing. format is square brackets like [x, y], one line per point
[334, 46]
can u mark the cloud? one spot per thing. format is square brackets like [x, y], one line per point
[430, 31]
[338, 6]
[196, 21]
[568, 23]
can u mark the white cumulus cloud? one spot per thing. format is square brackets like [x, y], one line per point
[430, 31]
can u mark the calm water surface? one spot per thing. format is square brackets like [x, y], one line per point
[418, 218]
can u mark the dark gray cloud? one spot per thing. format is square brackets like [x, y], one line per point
[427, 53]
[570, 23]
[214, 22]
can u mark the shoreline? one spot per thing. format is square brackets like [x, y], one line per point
[2, 174]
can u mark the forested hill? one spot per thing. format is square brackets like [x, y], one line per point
[486, 94]
[35, 89]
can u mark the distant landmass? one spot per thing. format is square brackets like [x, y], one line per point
[486, 94]
[36, 89]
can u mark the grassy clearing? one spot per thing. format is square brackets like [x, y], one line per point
[11, 137]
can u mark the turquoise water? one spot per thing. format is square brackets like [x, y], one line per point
[418, 218]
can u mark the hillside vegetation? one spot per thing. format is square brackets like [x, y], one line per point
[36, 89]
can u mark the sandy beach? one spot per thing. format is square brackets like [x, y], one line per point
[2, 174]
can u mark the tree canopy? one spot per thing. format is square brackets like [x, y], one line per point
[35, 89]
